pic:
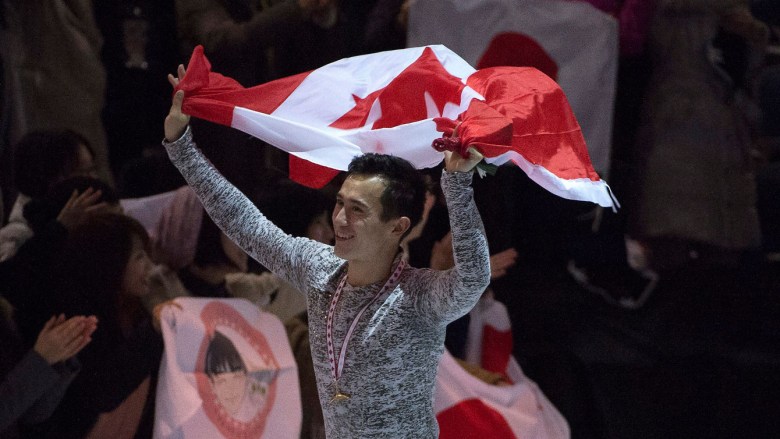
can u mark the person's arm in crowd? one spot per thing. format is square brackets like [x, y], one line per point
[442, 258]
[22, 277]
[32, 389]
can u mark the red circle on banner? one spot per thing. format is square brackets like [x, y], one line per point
[473, 419]
[217, 314]
[517, 50]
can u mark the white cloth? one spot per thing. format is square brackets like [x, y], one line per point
[187, 400]
[468, 407]
[17, 231]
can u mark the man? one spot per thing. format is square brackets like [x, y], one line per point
[376, 325]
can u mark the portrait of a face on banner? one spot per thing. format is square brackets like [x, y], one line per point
[227, 372]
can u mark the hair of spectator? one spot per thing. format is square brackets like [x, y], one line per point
[293, 207]
[42, 157]
[95, 256]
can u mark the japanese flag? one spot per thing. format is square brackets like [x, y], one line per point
[468, 408]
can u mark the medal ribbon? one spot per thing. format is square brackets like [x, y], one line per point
[391, 283]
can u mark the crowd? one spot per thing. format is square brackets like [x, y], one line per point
[658, 320]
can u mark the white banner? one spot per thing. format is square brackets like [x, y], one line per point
[467, 407]
[227, 372]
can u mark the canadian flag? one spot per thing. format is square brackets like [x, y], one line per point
[399, 102]
[571, 41]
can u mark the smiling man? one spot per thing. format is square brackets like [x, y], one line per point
[376, 325]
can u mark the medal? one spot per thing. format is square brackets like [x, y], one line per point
[338, 397]
[336, 367]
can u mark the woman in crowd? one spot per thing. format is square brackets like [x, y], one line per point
[103, 271]
[41, 160]
[24, 278]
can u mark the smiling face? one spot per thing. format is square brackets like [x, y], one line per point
[361, 234]
[230, 388]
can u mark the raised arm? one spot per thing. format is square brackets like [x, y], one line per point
[230, 209]
[452, 293]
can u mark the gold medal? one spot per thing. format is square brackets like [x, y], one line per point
[338, 397]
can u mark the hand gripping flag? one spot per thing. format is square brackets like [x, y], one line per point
[398, 102]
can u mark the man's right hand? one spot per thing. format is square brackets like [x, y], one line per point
[176, 122]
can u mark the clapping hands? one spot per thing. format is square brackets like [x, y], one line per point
[60, 339]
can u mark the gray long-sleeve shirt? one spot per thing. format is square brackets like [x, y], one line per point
[391, 363]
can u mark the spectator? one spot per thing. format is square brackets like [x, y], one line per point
[238, 37]
[140, 46]
[42, 159]
[24, 278]
[114, 393]
[696, 150]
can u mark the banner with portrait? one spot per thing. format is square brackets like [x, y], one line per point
[227, 372]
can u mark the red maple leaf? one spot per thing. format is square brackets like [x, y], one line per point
[403, 99]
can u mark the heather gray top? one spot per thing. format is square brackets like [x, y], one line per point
[392, 359]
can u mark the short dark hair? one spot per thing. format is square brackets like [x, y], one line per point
[404, 193]
[222, 356]
[42, 157]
